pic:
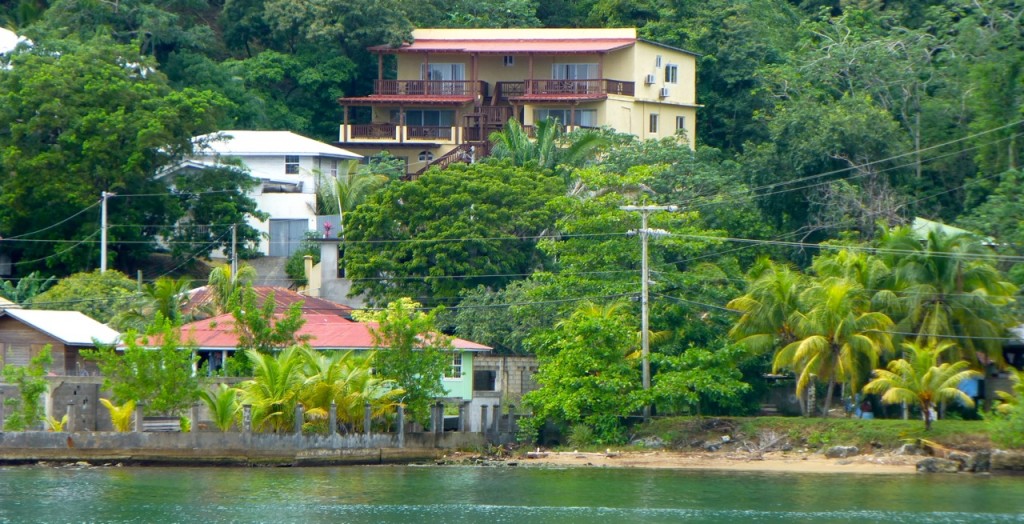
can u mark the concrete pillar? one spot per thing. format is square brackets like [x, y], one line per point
[194, 414]
[400, 420]
[367, 418]
[512, 419]
[70, 426]
[139, 418]
[462, 416]
[496, 418]
[483, 419]
[434, 423]
[247, 418]
[332, 424]
[300, 415]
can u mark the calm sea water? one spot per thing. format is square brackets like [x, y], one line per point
[496, 495]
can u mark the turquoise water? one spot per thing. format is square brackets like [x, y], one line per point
[496, 495]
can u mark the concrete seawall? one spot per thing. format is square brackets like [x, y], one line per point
[228, 449]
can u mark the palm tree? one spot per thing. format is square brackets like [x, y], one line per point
[274, 389]
[767, 307]
[837, 340]
[343, 193]
[224, 406]
[550, 147]
[950, 289]
[921, 381]
[226, 287]
[166, 297]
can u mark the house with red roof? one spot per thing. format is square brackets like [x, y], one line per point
[456, 86]
[216, 339]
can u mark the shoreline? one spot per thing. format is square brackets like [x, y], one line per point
[779, 462]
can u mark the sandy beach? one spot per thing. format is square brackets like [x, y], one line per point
[777, 461]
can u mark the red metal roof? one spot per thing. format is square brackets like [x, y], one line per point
[283, 298]
[510, 46]
[406, 100]
[325, 332]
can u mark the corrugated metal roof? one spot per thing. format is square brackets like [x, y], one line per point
[266, 143]
[70, 327]
[325, 332]
[283, 299]
[506, 46]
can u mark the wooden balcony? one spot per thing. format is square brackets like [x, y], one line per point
[391, 133]
[586, 88]
[430, 88]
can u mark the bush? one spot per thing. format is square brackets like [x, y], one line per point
[296, 266]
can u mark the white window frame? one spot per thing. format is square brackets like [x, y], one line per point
[509, 60]
[455, 370]
[453, 71]
[291, 164]
[680, 123]
[584, 117]
[672, 74]
[333, 168]
[425, 156]
[652, 125]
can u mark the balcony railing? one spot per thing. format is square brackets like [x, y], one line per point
[430, 87]
[429, 133]
[396, 133]
[373, 131]
[586, 87]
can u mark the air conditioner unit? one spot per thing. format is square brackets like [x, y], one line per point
[663, 92]
[649, 79]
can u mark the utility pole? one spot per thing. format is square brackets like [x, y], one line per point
[645, 339]
[103, 230]
[234, 249]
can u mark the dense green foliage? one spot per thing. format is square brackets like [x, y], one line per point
[27, 409]
[411, 352]
[161, 379]
[819, 121]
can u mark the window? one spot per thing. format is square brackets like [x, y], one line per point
[583, 117]
[485, 380]
[456, 370]
[426, 156]
[333, 170]
[654, 123]
[657, 61]
[426, 117]
[680, 123]
[573, 71]
[442, 71]
[509, 60]
[672, 74]
[291, 164]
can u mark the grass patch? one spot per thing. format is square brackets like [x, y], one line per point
[817, 433]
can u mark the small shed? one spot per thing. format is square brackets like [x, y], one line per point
[25, 332]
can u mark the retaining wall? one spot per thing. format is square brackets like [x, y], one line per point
[241, 449]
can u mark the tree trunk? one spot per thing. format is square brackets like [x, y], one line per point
[828, 396]
[927, 408]
[811, 400]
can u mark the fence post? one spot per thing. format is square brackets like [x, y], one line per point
[70, 426]
[483, 419]
[462, 416]
[299, 415]
[195, 417]
[496, 418]
[139, 418]
[332, 428]
[401, 426]
[247, 418]
[512, 419]
[367, 418]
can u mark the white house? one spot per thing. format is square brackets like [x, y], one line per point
[286, 164]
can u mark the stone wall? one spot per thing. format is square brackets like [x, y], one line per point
[228, 448]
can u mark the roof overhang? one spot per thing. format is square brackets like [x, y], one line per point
[504, 46]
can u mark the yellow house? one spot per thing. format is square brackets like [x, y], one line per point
[456, 86]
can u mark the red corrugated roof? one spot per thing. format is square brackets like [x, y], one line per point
[283, 299]
[407, 100]
[507, 46]
[325, 332]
